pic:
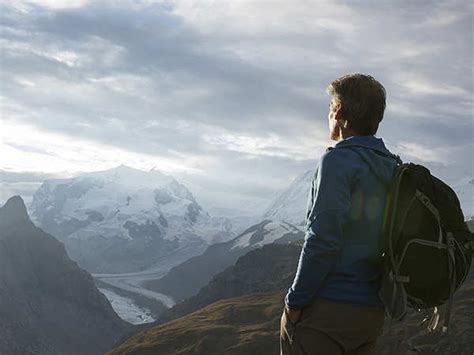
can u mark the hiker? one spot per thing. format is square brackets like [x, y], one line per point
[333, 305]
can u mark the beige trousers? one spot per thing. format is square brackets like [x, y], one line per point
[331, 328]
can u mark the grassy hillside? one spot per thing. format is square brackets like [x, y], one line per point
[243, 325]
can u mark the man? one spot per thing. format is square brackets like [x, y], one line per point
[333, 306]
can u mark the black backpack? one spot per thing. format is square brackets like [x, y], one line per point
[428, 246]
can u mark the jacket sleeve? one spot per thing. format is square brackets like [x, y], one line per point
[328, 206]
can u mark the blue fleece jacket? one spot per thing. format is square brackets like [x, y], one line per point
[341, 255]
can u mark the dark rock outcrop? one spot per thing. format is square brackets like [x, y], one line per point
[48, 305]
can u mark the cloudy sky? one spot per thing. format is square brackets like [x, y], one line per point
[226, 96]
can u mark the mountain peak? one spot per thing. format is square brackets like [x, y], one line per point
[124, 167]
[290, 205]
[14, 210]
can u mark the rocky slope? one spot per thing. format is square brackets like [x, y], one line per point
[125, 220]
[48, 305]
[187, 278]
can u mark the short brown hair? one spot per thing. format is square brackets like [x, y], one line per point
[363, 101]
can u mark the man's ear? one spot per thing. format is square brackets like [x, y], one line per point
[338, 113]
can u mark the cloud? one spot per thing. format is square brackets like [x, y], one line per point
[424, 154]
[27, 148]
[26, 5]
[417, 85]
[222, 90]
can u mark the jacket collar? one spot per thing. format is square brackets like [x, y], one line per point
[364, 141]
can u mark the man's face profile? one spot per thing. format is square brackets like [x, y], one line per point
[334, 107]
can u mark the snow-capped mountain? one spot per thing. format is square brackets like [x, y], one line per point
[124, 219]
[264, 233]
[290, 205]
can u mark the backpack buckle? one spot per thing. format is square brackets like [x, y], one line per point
[433, 322]
[401, 278]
